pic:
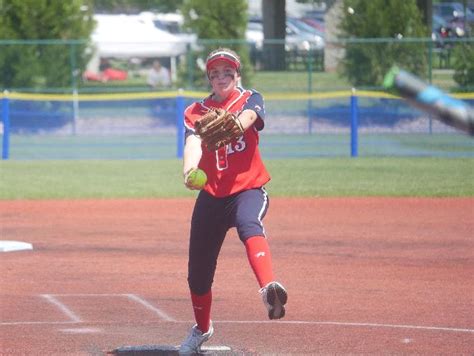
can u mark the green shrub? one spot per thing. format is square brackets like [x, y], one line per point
[46, 63]
[224, 22]
[464, 66]
[365, 64]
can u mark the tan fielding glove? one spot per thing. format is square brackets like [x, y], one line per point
[217, 128]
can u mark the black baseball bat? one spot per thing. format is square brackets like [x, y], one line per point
[451, 111]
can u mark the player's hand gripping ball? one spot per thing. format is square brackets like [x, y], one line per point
[195, 179]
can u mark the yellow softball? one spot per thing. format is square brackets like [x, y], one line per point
[197, 178]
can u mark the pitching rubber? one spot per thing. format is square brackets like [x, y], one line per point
[156, 350]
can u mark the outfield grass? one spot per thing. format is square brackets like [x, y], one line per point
[163, 146]
[270, 81]
[427, 177]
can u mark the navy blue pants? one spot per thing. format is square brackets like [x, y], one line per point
[212, 218]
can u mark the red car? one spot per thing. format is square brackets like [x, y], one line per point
[106, 75]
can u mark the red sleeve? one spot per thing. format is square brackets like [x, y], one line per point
[191, 114]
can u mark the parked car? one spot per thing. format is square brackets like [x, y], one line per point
[301, 41]
[299, 36]
[315, 23]
[107, 75]
[316, 14]
[446, 29]
[299, 26]
[453, 10]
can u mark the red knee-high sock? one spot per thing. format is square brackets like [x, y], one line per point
[202, 310]
[260, 259]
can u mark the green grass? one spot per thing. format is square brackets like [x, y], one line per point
[268, 81]
[430, 177]
[298, 81]
[272, 146]
[262, 80]
[427, 177]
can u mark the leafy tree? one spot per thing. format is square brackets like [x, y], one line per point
[464, 66]
[426, 11]
[43, 64]
[366, 63]
[217, 24]
[133, 6]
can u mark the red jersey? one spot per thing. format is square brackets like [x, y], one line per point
[238, 166]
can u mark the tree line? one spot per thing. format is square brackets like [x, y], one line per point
[26, 64]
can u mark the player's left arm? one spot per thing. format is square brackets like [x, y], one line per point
[247, 118]
[254, 110]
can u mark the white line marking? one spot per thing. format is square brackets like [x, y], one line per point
[372, 325]
[81, 331]
[147, 305]
[89, 295]
[215, 348]
[292, 322]
[13, 323]
[68, 312]
[75, 319]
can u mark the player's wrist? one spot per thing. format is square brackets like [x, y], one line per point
[195, 179]
[187, 172]
[239, 124]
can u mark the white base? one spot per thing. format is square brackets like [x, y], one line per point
[7, 246]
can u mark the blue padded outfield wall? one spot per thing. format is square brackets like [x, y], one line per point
[149, 126]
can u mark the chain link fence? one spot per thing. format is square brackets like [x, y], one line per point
[110, 111]
[37, 66]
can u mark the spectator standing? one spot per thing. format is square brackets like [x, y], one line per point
[158, 76]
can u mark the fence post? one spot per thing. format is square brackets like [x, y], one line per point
[180, 124]
[6, 126]
[310, 91]
[430, 80]
[190, 65]
[75, 111]
[354, 124]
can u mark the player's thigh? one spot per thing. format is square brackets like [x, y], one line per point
[208, 230]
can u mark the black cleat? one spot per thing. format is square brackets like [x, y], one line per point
[274, 297]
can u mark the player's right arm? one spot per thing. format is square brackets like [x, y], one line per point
[192, 153]
[192, 145]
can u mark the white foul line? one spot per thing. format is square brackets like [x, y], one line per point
[292, 322]
[69, 313]
[13, 323]
[395, 326]
[75, 319]
[337, 323]
[147, 305]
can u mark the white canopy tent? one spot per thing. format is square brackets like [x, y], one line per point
[123, 36]
[128, 37]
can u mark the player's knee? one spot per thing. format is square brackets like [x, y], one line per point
[199, 286]
[250, 229]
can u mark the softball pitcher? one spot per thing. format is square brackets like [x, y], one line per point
[234, 194]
